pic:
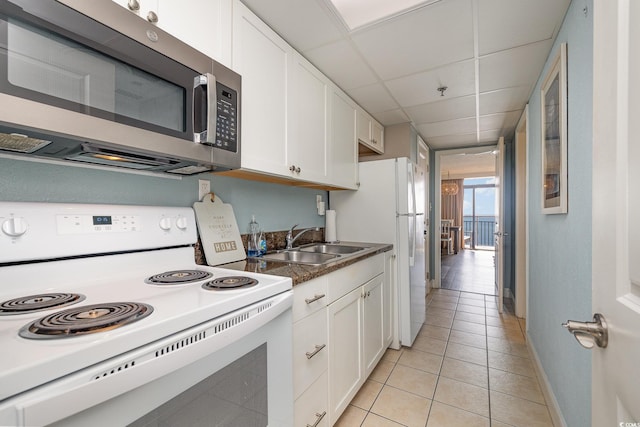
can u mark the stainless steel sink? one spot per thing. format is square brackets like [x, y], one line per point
[327, 248]
[300, 257]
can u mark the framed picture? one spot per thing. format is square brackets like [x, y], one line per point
[553, 100]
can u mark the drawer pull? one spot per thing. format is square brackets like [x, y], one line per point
[319, 418]
[315, 298]
[314, 352]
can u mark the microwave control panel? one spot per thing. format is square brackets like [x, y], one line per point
[227, 122]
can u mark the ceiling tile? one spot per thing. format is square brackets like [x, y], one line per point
[373, 98]
[459, 78]
[450, 141]
[503, 24]
[391, 117]
[513, 67]
[450, 127]
[440, 111]
[510, 99]
[427, 38]
[499, 121]
[304, 24]
[342, 64]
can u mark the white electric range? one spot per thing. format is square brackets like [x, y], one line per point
[102, 304]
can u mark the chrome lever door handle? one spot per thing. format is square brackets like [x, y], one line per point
[589, 334]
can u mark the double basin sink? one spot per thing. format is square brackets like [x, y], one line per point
[315, 253]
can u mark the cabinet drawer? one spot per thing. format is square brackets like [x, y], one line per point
[310, 350]
[343, 281]
[309, 297]
[312, 405]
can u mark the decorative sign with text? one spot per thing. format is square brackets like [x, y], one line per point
[219, 232]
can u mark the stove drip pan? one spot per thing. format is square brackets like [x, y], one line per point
[178, 277]
[230, 282]
[39, 302]
[85, 320]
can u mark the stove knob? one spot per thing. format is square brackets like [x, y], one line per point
[165, 223]
[15, 226]
[182, 223]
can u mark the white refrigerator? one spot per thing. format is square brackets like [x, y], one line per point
[388, 208]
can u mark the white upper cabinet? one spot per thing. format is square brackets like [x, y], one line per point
[343, 155]
[370, 134]
[262, 58]
[308, 122]
[178, 19]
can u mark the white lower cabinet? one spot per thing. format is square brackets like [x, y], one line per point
[346, 373]
[311, 406]
[339, 336]
[373, 344]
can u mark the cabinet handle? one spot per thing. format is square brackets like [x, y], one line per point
[314, 299]
[292, 168]
[374, 141]
[298, 169]
[314, 352]
[133, 5]
[319, 418]
[152, 17]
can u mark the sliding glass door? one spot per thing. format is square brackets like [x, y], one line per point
[479, 213]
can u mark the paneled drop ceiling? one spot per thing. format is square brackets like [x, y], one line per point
[488, 53]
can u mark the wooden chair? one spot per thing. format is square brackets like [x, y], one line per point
[445, 235]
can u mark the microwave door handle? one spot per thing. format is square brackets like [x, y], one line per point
[205, 134]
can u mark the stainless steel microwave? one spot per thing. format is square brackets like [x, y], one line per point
[89, 81]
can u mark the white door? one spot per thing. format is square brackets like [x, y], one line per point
[616, 211]
[499, 226]
[423, 162]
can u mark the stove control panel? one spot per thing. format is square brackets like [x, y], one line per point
[35, 231]
[87, 224]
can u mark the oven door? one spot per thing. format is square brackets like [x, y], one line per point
[231, 371]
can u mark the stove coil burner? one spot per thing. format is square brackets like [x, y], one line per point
[39, 302]
[85, 320]
[178, 277]
[231, 282]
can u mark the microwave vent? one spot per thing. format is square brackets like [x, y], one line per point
[21, 143]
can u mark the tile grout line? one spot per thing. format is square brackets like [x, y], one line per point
[444, 355]
[486, 339]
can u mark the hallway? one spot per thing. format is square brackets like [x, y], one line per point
[470, 271]
[469, 366]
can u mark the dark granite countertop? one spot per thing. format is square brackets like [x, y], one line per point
[300, 273]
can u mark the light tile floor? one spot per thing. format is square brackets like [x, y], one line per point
[469, 366]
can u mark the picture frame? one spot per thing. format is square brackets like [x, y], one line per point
[553, 102]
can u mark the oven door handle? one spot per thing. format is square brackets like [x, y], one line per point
[205, 108]
[95, 385]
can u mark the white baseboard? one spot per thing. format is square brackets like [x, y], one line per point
[547, 391]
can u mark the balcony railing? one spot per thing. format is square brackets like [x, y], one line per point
[481, 229]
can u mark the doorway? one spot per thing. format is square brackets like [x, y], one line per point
[479, 213]
[471, 268]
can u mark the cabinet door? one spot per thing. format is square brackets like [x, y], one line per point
[262, 58]
[343, 148]
[213, 39]
[177, 18]
[364, 126]
[308, 122]
[377, 137]
[373, 315]
[345, 354]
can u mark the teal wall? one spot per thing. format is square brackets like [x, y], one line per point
[277, 207]
[560, 245]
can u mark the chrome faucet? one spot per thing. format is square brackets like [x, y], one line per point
[291, 239]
